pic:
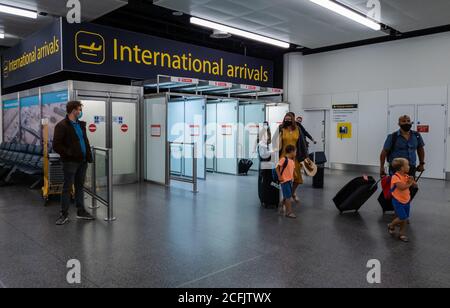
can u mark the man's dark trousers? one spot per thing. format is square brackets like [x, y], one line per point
[74, 175]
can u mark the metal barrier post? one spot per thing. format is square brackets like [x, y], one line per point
[94, 204]
[194, 167]
[110, 217]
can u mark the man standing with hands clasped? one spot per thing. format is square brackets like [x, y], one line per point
[71, 143]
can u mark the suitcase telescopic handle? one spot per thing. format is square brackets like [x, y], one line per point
[376, 184]
[418, 178]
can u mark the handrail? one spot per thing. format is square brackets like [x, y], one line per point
[109, 177]
[194, 179]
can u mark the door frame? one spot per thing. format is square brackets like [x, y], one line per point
[326, 133]
[415, 121]
[108, 98]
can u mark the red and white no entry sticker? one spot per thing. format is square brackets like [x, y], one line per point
[124, 128]
[92, 128]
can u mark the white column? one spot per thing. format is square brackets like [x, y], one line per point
[293, 81]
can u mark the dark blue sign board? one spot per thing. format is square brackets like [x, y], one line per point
[36, 56]
[95, 49]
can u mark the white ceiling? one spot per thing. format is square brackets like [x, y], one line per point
[409, 15]
[304, 23]
[16, 28]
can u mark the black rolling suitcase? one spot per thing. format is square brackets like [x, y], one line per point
[244, 166]
[269, 193]
[320, 160]
[353, 196]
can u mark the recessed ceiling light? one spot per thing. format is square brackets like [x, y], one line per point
[346, 12]
[178, 13]
[238, 32]
[18, 11]
[2, 35]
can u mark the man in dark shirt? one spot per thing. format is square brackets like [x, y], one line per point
[404, 143]
[304, 131]
[71, 143]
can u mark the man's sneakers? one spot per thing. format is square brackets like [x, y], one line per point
[62, 220]
[81, 215]
[84, 215]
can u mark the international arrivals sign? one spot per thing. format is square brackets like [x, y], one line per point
[94, 49]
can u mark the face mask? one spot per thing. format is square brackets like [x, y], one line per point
[406, 127]
[80, 115]
[287, 123]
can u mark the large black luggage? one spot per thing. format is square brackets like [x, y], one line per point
[269, 193]
[353, 196]
[244, 166]
[319, 159]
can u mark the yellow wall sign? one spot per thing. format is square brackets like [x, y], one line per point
[344, 130]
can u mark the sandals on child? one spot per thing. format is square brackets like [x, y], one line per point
[291, 215]
[404, 238]
[391, 230]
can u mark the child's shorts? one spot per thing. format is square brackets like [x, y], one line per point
[286, 188]
[402, 210]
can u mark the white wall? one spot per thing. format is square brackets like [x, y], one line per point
[412, 71]
[293, 81]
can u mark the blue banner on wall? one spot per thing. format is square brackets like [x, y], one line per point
[37, 56]
[55, 97]
[29, 101]
[9, 104]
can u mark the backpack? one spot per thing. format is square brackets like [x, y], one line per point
[386, 184]
[274, 171]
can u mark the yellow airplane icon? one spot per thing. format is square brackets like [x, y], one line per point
[90, 50]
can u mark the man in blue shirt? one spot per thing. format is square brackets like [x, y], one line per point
[404, 143]
[71, 143]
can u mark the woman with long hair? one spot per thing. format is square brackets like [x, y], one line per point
[290, 133]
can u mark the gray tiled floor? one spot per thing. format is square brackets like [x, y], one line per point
[222, 238]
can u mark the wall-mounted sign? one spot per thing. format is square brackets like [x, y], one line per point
[195, 130]
[155, 130]
[37, 56]
[344, 130]
[92, 128]
[221, 84]
[96, 49]
[124, 128]
[227, 130]
[253, 129]
[423, 129]
[185, 80]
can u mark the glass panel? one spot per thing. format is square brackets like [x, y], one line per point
[30, 115]
[94, 114]
[211, 136]
[254, 119]
[176, 134]
[124, 137]
[155, 141]
[194, 133]
[11, 125]
[227, 137]
[101, 175]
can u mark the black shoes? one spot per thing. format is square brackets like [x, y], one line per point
[84, 215]
[62, 220]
